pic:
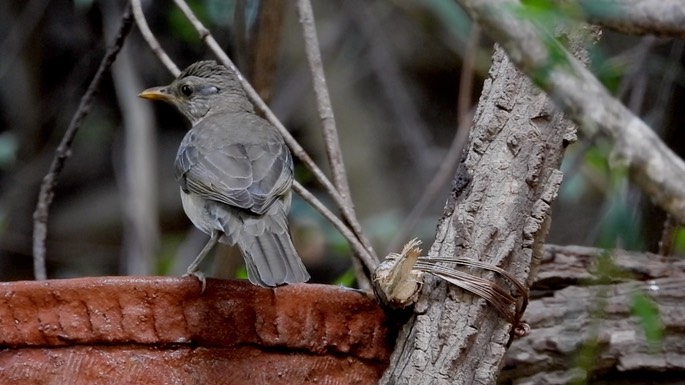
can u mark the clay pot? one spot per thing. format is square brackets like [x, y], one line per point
[162, 330]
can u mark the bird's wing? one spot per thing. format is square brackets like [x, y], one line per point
[249, 176]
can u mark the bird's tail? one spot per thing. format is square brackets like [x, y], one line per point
[271, 259]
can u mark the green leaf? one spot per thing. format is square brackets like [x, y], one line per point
[596, 158]
[586, 360]
[347, 278]
[646, 310]
[609, 73]
[241, 273]
[680, 240]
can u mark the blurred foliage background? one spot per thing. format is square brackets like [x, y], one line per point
[393, 71]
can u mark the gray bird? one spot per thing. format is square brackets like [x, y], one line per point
[235, 173]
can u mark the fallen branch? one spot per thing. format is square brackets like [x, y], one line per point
[580, 307]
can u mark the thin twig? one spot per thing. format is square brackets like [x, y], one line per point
[151, 39]
[367, 259]
[292, 143]
[323, 103]
[323, 99]
[449, 164]
[46, 194]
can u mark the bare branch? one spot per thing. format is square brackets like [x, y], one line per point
[323, 100]
[329, 130]
[652, 165]
[368, 260]
[46, 194]
[151, 39]
[639, 17]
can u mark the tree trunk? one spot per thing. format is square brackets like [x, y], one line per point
[497, 213]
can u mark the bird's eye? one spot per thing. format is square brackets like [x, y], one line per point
[187, 90]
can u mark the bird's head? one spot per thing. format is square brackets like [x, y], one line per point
[202, 88]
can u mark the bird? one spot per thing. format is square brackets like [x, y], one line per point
[235, 174]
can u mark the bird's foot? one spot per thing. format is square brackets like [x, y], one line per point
[200, 277]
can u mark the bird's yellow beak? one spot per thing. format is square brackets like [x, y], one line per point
[157, 93]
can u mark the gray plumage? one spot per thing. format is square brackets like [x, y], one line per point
[235, 173]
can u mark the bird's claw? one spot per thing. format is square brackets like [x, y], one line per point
[200, 277]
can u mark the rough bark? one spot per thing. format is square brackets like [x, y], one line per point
[564, 266]
[568, 318]
[496, 214]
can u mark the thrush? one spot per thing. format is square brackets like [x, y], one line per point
[235, 174]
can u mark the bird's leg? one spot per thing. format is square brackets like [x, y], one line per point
[193, 269]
